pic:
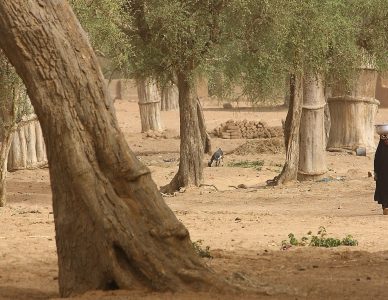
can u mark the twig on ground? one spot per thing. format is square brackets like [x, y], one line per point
[211, 185]
[233, 186]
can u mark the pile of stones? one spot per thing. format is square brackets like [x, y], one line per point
[246, 129]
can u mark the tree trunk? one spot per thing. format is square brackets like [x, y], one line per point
[170, 97]
[27, 149]
[353, 114]
[206, 140]
[149, 105]
[291, 132]
[312, 150]
[5, 144]
[190, 172]
[113, 228]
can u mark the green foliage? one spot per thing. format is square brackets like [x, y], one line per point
[14, 102]
[257, 164]
[202, 252]
[319, 240]
[247, 43]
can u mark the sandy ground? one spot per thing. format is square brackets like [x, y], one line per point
[243, 227]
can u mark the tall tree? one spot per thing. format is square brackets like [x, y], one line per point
[323, 42]
[113, 229]
[169, 41]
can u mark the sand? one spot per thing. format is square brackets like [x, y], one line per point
[244, 228]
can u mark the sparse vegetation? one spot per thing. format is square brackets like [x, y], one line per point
[202, 252]
[319, 240]
[257, 164]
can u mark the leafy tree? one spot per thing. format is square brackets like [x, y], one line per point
[318, 39]
[169, 41]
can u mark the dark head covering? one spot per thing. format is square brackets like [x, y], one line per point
[381, 170]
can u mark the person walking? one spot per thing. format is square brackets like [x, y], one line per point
[381, 173]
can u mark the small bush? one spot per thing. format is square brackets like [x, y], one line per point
[257, 164]
[319, 240]
[204, 253]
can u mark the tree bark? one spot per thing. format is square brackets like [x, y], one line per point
[149, 105]
[353, 114]
[312, 150]
[190, 172]
[113, 228]
[291, 132]
[170, 97]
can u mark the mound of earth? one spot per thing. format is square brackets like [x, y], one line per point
[271, 146]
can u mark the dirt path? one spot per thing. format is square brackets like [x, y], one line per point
[243, 227]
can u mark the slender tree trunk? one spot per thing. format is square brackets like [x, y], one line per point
[5, 144]
[190, 172]
[291, 132]
[113, 228]
[312, 150]
[149, 105]
[206, 140]
[170, 97]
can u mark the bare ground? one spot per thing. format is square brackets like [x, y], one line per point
[243, 227]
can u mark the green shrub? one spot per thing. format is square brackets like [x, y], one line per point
[319, 240]
[204, 253]
[256, 164]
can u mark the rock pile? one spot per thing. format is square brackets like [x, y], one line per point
[246, 129]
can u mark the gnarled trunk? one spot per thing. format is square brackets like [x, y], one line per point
[170, 97]
[113, 228]
[149, 105]
[312, 149]
[291, 131]
[190, 172]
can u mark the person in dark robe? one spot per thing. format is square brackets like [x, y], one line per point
[381, 173]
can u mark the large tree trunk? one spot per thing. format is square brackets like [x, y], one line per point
[27, 150]
[149, 105]
[170, 97]
[190, 172]
[291, 131]
[353, 113]
[312, 150]
[113, 228]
